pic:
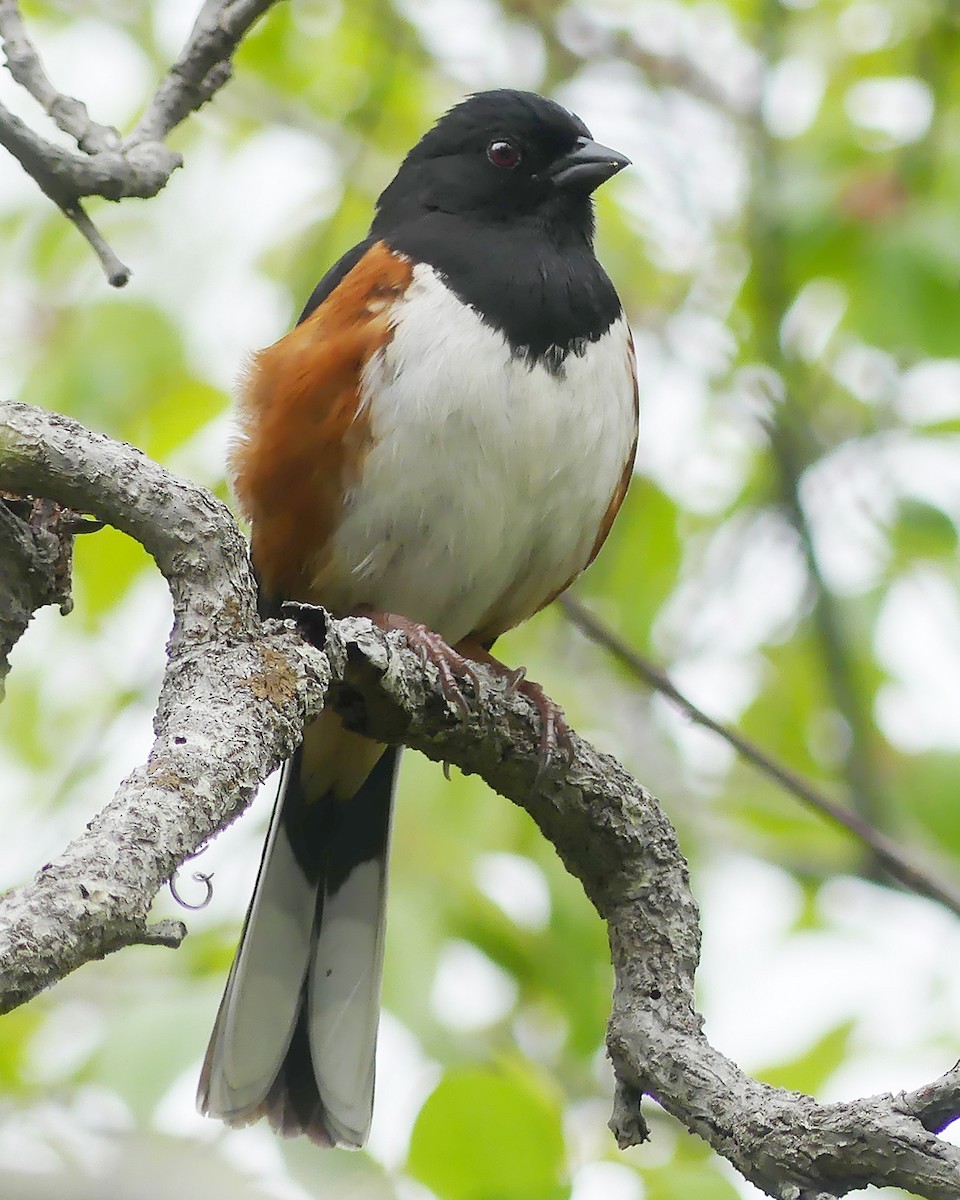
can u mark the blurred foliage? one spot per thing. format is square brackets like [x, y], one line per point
[788, 248]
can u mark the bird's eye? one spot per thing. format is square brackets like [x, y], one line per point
[504, 154]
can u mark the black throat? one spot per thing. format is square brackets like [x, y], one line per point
[535, 281]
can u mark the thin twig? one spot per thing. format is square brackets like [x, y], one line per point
[117, 272]
[202, 68]
[25, 66]
[912, 876]
[51, 168]
[139, 166]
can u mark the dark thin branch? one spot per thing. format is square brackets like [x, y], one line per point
[579, 36]
[234, 700]
[887, 852]
[681, 72]
[838, 658]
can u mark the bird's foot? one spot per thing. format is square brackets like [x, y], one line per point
[555, 733]
[451, 665]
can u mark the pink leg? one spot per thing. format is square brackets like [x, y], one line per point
[555, 733]
[455, 663]
[431, 647]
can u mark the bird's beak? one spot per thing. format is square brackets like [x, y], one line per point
[586, 167]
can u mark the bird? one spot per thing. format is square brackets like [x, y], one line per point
[441, 443]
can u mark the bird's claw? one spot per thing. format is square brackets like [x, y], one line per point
[555, 733]
[450, 664]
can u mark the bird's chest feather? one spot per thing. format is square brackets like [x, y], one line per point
[486, 480]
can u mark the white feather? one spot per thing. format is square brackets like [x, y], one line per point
[345, 999]
[487, 480]
[262, 995]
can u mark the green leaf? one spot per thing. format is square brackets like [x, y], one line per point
[174, 416]
[810, 1071]
[102, 363]
[686, 1181]
[105, 564]
[490, 1135]
[153, 1041]
[927, 786]
[921, 531]
[16, 1031]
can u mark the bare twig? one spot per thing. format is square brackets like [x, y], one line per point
[140, 165]
[257, 684]
[117, 273]
[25, 66]
[56, 171]
[899, 865]
[203, 67]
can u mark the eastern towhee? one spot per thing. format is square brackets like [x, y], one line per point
[443, 441]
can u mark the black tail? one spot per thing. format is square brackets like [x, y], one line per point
[295, 1036]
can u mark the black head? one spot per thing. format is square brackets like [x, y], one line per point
[501, 156]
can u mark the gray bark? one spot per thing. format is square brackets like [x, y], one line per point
[235, 696]
[107, 165]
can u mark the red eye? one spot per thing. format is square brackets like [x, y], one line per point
[504, 154]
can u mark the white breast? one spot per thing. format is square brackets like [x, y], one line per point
[486, 481]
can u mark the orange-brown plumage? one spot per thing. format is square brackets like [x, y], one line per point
[303, 430]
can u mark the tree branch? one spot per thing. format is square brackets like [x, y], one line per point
[110, 167]
[24, 64]
[226, 686]
[29, 578]
[899, 864]
[203, 67]
[234, 699]
[937, 1104]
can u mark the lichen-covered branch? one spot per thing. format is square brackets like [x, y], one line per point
[232, 704]
[234, 699]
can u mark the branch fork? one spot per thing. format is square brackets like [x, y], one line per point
[234, 700]
[108, 165]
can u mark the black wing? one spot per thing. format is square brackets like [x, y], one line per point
[337, 272]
